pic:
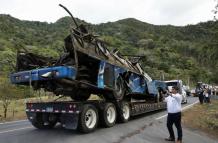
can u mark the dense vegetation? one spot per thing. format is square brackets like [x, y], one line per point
[171, 52]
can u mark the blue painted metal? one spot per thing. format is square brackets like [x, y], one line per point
[154, 85]
[102, 66]
[118, 71]
[101, 74]
[36, 74]
[137, 83]
[152, 89]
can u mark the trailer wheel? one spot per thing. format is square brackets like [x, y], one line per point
[124, 114]
[119, 89]
[88, 119]
[40, 124]
[109, 115]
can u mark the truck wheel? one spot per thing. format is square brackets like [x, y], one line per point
[83, 76]
[125, 113]
[158, 97]
[88, 119]
[119, 89]
[83, 73]
[109, 115]
[40, 124]
[161, 96]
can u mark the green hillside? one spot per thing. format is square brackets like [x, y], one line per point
[189, 52]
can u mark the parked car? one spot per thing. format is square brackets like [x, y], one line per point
[215, 90]
[193, 93]
[179, 84]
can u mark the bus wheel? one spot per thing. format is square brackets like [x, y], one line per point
[119, 89]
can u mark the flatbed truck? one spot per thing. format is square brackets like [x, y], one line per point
[86, 116]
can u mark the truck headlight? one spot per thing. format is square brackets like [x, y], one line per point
[47, 75]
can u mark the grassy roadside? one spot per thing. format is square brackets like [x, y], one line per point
[16, 109]
[203, 117]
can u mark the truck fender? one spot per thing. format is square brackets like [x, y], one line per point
[69, 121]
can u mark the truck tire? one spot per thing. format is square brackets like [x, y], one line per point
[88, 119]
[158, 97]
[83, 76]
[83, 73]
[119, 89]
[108, 115]
[124, 113]
[161, 96]
[40, 124]
[185, 101]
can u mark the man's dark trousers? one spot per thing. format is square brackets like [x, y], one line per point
[201, 98]
[174, 118]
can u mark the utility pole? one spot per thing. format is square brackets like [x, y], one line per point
[162, 76]
[188, 82]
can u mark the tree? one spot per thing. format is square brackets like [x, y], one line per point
[7, 94]
[146, 43]
[215, 10]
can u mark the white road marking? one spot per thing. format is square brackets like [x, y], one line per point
[7, 131]
[161, 117]
[184, 108]
[189, 106]
[12, 122]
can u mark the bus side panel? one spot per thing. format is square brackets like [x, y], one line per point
[100, 81]
[137, 83]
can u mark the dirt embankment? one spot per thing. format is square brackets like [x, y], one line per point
[203, 117]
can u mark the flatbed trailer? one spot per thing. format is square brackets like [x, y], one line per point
[86, 116]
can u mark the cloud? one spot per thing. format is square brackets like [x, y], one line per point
[180, 12]
[176, 12]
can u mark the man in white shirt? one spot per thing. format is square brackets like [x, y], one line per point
[174, 114]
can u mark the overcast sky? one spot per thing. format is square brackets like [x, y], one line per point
[159, 12]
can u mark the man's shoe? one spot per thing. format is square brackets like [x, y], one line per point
[178, 141]
[169, 139]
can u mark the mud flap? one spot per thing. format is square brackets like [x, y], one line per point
[31, 116]
[69, 121]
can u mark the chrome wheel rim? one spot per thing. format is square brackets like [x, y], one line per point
[111, 114]
[126, 112]
[90, 118]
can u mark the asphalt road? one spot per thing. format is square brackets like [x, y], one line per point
[147, 128]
